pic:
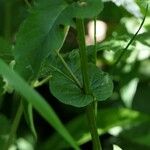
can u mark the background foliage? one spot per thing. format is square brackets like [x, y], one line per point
[122, 120]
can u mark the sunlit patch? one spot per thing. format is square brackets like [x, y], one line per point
[115, 130]
[101, 29]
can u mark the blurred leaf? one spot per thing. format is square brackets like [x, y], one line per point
[141, 99]
[116, 147]
[37, 101]
[139, 134]
[144, 38]
[107, 119]
[128, 91]
[130, 5]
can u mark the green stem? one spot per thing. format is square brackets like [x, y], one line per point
[14, 127]
[83, 55]
[95, 57]
[95, 46]
[93, 127]
[84, 68]
[132, 39]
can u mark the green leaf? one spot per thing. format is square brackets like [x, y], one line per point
[139, 135]
[85, 9]
[38, 36]
[65, 89]
[37, 101]
[41, 33]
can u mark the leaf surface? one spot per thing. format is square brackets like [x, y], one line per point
[67, 91]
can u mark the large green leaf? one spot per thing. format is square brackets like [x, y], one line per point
[85, 9]
[36, 100]
[67, 91]
[41, 33]
[36, 37]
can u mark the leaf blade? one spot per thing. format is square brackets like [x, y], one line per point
[37, 101]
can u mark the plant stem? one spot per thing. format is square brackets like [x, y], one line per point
[95, 46]
[14, 126]
[84, 68]
[83, 55]
[93, 127]
[95, 57]
[131, 40]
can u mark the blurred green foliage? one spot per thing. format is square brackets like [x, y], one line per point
[125, 116]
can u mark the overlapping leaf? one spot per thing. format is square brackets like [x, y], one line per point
[67, 91]
[41, 33]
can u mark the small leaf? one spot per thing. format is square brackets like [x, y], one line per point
[80, 9]
[65, 89]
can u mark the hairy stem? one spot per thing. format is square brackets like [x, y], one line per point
[84, 68]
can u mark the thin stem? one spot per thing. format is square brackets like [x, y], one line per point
[84, 68]
[39, 83]
[95, 57]
[14, 126]
[93, 127]
[95, 39]
[132, 39]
